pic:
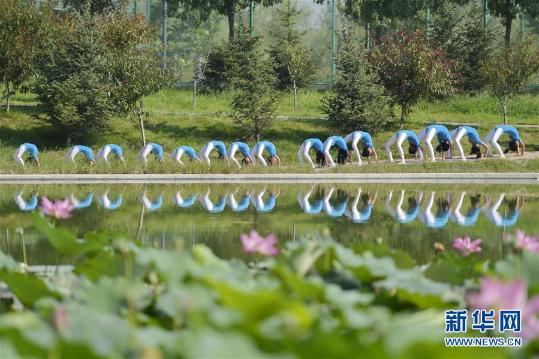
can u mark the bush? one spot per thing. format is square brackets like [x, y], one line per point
[357, 101]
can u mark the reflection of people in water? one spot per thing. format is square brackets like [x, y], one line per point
[398, 213]
[337, 210]
[25, 205]
[184, 203]
[470, 218]
[149, 205]
[442, 215]
[84, 203]
[267, 206]
[364, 213]
[108, 204]
[210, 206]
[240, 206]
[507, 219]
[305, 203]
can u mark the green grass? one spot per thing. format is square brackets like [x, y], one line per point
[172, 122]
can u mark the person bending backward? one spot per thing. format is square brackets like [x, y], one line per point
[32, 152]
[334, 211]
[154, 148]
[365, 139]
[242, 204]
[245, 151]
[106, 150]
[398, 139]
[515, 143]
[306, 146]
[150, 205]
[363, 214]
[341, 145]
[458, 133]
[177, 154]
[305, 203]
[399, 213]
[219, 146]
[85, 151]
[444, 140]
[105, 201]
[25, 205]
[185, 202]
[258, 150]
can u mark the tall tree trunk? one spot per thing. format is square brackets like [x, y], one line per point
[139, 114]
[504, 114]
[295, 96]
[508, 22]
[230, 13]
[195, 95]
[8, 96]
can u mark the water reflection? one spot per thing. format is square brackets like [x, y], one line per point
[435, 209]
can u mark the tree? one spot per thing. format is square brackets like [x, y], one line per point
[507, 71]
[292, 62]
[74, 83]
[508, 10]
[202, 9]
[253, 78]
[22, 32]
[95, 6]
[357, 101]
[135, 69]
[410, 69]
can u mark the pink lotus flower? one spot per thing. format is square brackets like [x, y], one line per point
[526, 243]
[466, 246]
[58, 209]
[255, 243]
[496, 294]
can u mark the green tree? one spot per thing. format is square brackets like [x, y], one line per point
[292, 62]
[507, 71]
[411, 70]
[95, 6]
[357, 100]
[74, 82]
[22, 32]
[508, 10]
[253, 78]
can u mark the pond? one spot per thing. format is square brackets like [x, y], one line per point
[418, 219]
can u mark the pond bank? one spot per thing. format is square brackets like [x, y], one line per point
[312, 178]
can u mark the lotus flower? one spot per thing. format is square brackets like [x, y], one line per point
[58, 209]
[255, 243]
[466, 246]
[526, 243]
[498, 295]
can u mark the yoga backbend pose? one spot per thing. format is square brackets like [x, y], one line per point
[108, 204]
[25, 205]
[84, 203]
[471, 216]
[33, 154]
[177, 154]
[441, 217]
[365, 139]
[242, 205]
[306, 146]
[106, 150]
[258, 150]
[257, 200]
[398, 139]
[515, 143]
[245, 151]
[341, 145]
[154, 148]
[363, 214]
[151, 205]
[337, 210]
[398, 213]
[505, 220]
[305, 203]
[184, 202]
[209, 205]
[84, 150]
[219, 146]
[473, 137]
[444, 140]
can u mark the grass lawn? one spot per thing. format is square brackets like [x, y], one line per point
[173, 122]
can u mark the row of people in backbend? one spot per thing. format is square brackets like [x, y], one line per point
[250, 156]
[446, 141]
[406, 209]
